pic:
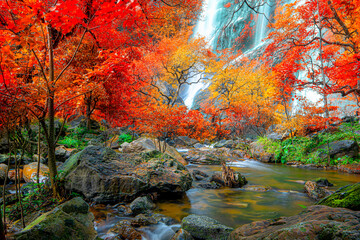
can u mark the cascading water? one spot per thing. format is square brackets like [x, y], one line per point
[204, 28]
[211, 26]
[261, 23]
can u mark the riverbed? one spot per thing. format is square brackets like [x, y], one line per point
[236, 206]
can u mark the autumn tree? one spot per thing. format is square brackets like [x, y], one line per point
[49, 34]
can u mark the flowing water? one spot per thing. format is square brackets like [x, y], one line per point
[236, 206]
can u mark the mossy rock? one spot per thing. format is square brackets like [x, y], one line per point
[345, 197]
[71, 220]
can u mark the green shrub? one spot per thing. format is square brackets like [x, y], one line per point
[304, 149]
[125, 138]
[71, 142]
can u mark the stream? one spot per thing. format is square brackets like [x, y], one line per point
[234, 206]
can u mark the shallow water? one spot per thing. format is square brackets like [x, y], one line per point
[235, 206]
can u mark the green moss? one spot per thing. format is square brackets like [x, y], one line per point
[345, 197]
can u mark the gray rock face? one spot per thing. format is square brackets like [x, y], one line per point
[71, 220]
[186, 141]
[339, 149]
[202, 227]
[316, 222]
[104, 176]
[141, 204]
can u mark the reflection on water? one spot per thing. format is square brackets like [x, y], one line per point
[234, 207]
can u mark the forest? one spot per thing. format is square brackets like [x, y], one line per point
[179, 119]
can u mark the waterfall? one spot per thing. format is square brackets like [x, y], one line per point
[205, 27]
[261, 23]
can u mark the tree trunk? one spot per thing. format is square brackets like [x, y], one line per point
[38, 159]
[51, 114]
[88, 113]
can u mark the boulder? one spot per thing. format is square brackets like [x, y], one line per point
[274, 136]
[225, 143]
[141, 204]
[30, 171]
[182, 235]
[3, 171]
[316, 191]
[203, 227]
[148, 145]
[316, 222]
[185, 141]
[105, 176]
[339, 149]
[71, 220]
[62, 153]
[345, 197]
[259, 153]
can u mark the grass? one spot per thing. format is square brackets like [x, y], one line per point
[304, 149]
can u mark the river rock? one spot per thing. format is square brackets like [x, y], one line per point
[71, 220]
[141, 204]
[339, 149]
[345, 197]
[148, 145]
[30, 171]
[259, 153]
[315, 191]
[203, 227]
[316, 222]
[105, 176]
[212, 156]
[323, 182]
[124, 230]
[142, 220]
[3, 170]
[182, 235]
[225, 143]
[199, 175]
